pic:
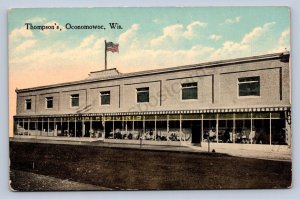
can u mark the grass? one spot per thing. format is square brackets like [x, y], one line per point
[120, 168]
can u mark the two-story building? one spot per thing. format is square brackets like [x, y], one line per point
[244, 100]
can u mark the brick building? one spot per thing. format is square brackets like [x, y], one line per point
[244, 100]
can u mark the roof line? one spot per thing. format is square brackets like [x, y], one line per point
[163, 70]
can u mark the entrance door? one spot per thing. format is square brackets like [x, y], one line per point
[196, 132]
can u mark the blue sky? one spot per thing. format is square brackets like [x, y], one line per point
[150, 38]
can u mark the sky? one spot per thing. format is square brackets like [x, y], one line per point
[150, 38]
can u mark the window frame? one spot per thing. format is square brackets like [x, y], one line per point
[248, 82]
[102, 93]
[71, 98]
[26, 107]
[182, 88]
[141, 91]
[46, 102]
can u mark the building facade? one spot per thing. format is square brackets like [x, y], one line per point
[245, 100]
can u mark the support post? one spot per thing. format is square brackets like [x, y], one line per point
[113, 120]
[270, 130]
[168, 127]
[68, 127]
[155, 127]
[28, 125]
[217, 128]
[42, 126]
[202, 131]
[251, 130]
[75, 133]
[233, 129]
[48, 128]
[180, 127]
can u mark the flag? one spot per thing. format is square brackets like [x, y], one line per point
[110, 46]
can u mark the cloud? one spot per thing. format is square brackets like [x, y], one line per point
[99, 43]
[190, 29]
[176, 31]
[169, 32]
[215, 37]
[257, 32]
[129, 34]
[231, 20]
[20, 33]
[36, 20]
[283, 43]
[247, 46]
[26, 45]
[87, 41]
[52, 23]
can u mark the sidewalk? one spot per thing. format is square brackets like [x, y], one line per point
[268, 152]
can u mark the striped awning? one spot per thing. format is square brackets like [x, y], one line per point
[195, 111]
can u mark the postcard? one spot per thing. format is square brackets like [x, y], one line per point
[157, 98]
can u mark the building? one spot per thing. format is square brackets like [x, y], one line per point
[244, 100]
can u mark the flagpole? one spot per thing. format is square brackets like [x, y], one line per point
[105, 55]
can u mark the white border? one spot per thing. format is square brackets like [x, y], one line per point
[224, 194]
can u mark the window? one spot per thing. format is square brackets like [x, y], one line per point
[74, 100]
[28, 104]
[189, 91]
[49, 102]
[105, 98]
[142, 94]
[249, 86]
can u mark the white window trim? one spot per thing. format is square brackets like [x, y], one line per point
[26, 104]
[100, 99]
[189, 100]
[46, 102]
[142, 91]
[71, 100]
[248, 96]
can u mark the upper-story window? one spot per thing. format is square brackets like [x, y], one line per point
[49, 102]
[28, 104]
[249, 86]
[189, 91]
[74, 100]
[142, 94]
[105, 97]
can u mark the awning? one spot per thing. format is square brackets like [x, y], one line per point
[195, 111]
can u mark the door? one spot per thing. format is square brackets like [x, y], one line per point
[196, 132]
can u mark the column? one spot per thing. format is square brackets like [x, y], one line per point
[91, 127]
[270, 128]
[180, 127]
[144, 126]
[83, 128]
[61, 127]
[68, 126]
[75, 127]
[23, 126]
[42, 126]
[28, 125]
[126, 126]
[113, 119]
[55, 128]
[168, 128]
[233, 129]
[251, 129]
[155, 127]
[48, 127]
[202, 131]
[288, 128]
[217, 128]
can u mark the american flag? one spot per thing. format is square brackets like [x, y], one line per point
[110, 46]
